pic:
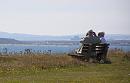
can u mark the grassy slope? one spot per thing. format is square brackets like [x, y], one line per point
[24, 70]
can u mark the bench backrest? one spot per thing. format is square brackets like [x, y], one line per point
[98, 48]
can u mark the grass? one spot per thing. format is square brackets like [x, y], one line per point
[64, 69]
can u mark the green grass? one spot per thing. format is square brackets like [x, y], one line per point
[63, 69]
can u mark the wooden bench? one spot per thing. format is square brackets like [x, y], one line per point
[94, 51]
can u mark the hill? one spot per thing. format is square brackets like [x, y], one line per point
[30, 37]
[9, 41]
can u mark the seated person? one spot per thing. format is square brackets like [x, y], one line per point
[90, 38]
[103, 41]
[101, 36]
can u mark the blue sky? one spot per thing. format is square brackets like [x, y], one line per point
[64, 17]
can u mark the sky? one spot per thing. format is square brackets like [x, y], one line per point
[64, 17]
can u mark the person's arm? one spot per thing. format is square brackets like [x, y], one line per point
[82, 39]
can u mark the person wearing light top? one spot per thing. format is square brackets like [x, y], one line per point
[103, 41]
[102, 38]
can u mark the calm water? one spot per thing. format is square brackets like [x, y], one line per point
[45, 48]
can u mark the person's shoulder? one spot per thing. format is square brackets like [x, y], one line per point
[103, 40]
[96, 37]
[86, 37]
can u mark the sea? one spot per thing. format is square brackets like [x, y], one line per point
[10, 48]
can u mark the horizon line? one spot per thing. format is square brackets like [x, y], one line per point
[59, 34]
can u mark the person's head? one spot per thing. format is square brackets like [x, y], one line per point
[89, 33]
[101, 34]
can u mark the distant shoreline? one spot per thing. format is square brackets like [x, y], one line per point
[112, 42]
